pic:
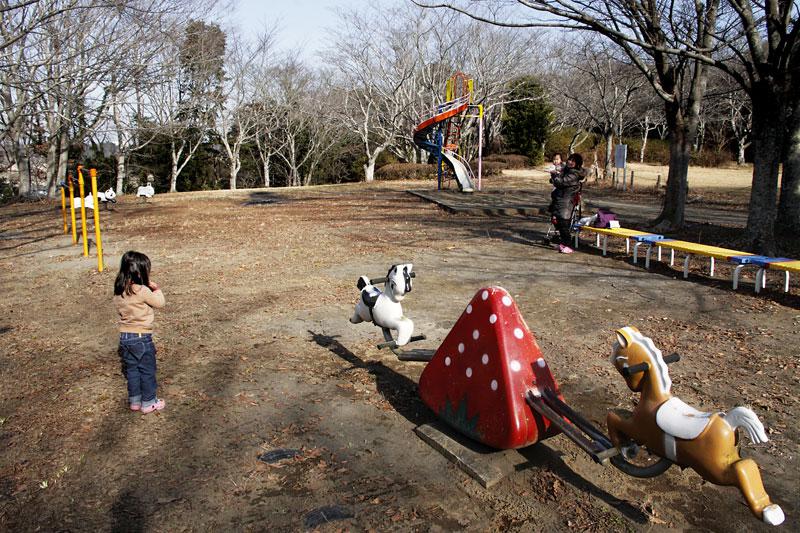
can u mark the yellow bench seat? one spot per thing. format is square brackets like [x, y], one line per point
[791, 265]
[624, 233]
[690, 249]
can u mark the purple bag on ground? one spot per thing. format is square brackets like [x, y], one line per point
[603, 218]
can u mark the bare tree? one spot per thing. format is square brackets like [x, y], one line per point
[267, 111]
[649, 117]
[599, 86]
[763, 44]
[740, 118]
[370, 51]
[23, 18]
[17, 102]
[237, 115]
[67, 80]
[394, 65]
[183, 105]
[146, 67]
[305, 121]
[788, 222]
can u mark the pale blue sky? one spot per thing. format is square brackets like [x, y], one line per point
[301, 22]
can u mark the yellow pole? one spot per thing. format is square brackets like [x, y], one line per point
[83, 212]
[93, 175]
[469, 88]
[72, 208]
[64, 207]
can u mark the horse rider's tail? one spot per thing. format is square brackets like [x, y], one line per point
[363, 281]
[747, 419]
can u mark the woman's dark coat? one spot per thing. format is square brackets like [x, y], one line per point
[567, 183]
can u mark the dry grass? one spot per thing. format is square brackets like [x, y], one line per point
[726, 178]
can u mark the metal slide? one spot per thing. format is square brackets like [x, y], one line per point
[462, 173]
[428, 128]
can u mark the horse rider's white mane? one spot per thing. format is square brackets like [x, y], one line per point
[659, 367]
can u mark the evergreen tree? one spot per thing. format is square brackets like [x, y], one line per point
[526, 119]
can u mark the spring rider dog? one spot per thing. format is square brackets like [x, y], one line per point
[665, 425]
[383, 308]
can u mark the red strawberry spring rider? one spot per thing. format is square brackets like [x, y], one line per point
[490, 382]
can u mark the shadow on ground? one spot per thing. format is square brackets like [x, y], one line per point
[398, 390]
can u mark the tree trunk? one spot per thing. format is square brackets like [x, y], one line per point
[63, 155]
[369, 166]
[645, 135]
[23, 166]
[768, 128]
[672, 213]
[120, 171]
[53, 177]
[173, 173]
[700, 138]
[788, 223]
[740, 158]
[369, 170]
[609, 155]
[234, 173]
[266, 171]
[681, 134]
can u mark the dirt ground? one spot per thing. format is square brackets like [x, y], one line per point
[255, 354]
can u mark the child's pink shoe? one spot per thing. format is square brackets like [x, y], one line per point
[565, 249]
[159, 405]
[136, 407]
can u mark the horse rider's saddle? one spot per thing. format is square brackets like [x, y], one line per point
[370, 298]
[681, 420]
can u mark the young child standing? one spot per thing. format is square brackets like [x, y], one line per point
[135, 297]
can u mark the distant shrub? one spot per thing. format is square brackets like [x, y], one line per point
[711, 158]
[7, 193]
[509, 160]
[558, 143]
[526, 118]
[657, 151]
[406, 171]
[490, 168]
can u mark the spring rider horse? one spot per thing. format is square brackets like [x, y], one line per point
[104, 198]
[383, 308]
[668, 427]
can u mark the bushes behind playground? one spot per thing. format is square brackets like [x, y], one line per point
[492, 166]
[489, 168]
[406, 171]
[508, 161]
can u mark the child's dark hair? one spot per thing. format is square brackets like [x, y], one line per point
[577, 158]
[134, 268]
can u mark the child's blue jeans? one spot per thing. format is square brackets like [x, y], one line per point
[138, 354]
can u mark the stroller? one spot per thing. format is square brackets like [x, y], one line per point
[577, 213]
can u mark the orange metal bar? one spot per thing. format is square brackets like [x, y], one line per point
[83, 212]
[93, 175]
[64, 208]
[72, 208]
